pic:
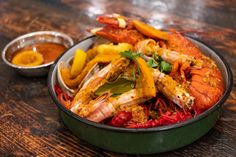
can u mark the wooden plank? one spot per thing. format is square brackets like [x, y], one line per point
[28, 128]
[30, 125]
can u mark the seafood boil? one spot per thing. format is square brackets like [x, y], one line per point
[140, 77]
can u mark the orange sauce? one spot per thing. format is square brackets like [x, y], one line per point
[49, 51]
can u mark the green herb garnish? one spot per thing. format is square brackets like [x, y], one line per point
[130, 55]
[159, 63]
[133, 73]
[165, 67]
[152, 63]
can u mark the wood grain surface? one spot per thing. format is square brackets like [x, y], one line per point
[29, 122]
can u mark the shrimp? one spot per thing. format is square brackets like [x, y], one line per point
[199, 91]
[109, 72]
[106, 106]
[205, 83]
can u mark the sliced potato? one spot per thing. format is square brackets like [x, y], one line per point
[149, 30]
[27, 58]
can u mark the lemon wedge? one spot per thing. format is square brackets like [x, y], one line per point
[27, 58]
[79, 62]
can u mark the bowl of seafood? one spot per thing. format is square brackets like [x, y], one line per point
[133, 89]
[32, 54]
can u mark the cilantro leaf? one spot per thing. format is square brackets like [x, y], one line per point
[165, 67]
[130, 55]
[152, 63]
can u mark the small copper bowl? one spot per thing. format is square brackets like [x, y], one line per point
[30, 39]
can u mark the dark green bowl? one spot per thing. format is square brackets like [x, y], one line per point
[141, 141]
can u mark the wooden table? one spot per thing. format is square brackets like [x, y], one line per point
[29, 123]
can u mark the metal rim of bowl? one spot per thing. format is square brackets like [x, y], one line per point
[69, 39]
[226, 93]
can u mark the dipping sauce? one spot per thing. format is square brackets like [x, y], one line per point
[49, 52]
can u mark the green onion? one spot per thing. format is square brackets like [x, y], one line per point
[133, 73]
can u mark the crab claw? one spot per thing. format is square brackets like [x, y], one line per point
[118, 35]
[115, 21]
